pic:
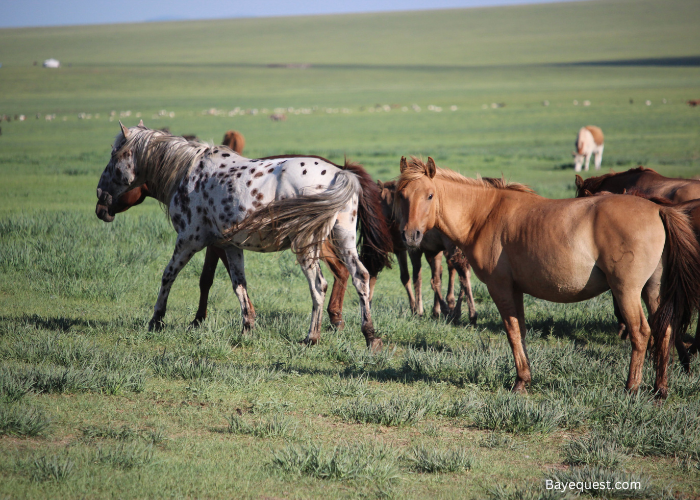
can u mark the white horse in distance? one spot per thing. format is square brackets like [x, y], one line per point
[589, 142]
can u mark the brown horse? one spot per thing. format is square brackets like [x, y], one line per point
[693, 209]
[433, 246]
[644, 180]
[562, 251]
[234, 140]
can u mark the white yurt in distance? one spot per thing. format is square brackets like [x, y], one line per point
[52, 63]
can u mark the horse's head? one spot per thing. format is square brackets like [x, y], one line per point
[124, 202]
[119, 175]
[416, 200]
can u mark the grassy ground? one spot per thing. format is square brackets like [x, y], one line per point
[92, 404]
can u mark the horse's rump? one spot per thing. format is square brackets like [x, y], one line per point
[304, 221]
[680, 286]
[597, 134]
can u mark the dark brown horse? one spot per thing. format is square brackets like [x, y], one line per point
[644, 180]
[562, 251]
[434, 244]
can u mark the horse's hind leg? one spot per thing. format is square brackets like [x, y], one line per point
[639, 333]
[435, 262]
[206, 280]
[461, 265]
[184, 251]
[317, 286]
[696, 343]
[340, 284]
[344, 238]
[401, 256]
[237, 273]
[622, 332]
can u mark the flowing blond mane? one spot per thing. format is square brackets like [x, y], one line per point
[416, 169]
[164, 160]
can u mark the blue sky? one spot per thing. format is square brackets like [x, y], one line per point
[19, 13]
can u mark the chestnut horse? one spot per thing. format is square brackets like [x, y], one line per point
[562, 251]
[644, 180]
[433, 245]
[234, 140]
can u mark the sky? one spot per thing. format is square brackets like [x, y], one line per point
[23, 13]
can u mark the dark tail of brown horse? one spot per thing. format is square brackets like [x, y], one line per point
[680, 286]
[375, 237]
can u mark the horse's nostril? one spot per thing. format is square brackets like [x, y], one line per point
[99, 193]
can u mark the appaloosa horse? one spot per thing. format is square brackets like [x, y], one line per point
[562, 251]
[213, 196]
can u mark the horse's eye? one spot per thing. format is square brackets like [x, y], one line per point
[430, 196]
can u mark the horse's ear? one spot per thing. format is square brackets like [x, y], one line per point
[380, 184]
[579, 181]
[125, 131]
[404, 165]
[430, 168]
[141, 124]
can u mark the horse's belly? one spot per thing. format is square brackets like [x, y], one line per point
[566, 287]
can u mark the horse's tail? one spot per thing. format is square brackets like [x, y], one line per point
[375, 237]
[680, 283]
[303, 221]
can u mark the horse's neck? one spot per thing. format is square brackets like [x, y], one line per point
[464, 210]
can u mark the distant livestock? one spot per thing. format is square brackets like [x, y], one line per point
[588, 142]
[693, 103]
[278, 117]
[234, 140]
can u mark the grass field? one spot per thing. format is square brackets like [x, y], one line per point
[92, 405]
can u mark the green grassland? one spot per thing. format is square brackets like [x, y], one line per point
[93, 405]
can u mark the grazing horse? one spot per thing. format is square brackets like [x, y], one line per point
[562, 251]
[589, 141]
[213, 196]
[433, 245]
[234, 140]
[644, 180]
[692, 207]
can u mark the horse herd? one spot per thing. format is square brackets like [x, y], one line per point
[516, 241]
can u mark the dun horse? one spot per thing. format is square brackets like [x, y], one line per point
[215, 197]
[433, 245]
[562, 251]
[693, 209]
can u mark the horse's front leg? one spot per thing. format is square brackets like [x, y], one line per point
[206, 280]
[184, 250]
[317, 286]
[510, 304]
[405, 277]
[416, 256]
[236, 271]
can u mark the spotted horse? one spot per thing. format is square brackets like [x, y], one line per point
[214, 196]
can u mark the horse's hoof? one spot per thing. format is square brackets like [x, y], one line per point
[661, 393]
[520, 387]
[472, 320]
[197, 322]
[155, 325]
[375, 345]
[309, 341]
[339, 326]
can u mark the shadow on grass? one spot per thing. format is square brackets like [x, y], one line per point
[57, 323]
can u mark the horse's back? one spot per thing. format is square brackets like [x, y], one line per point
[596, 133]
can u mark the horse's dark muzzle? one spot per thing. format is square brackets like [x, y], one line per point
[104, 213]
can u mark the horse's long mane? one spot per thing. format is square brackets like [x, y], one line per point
[416, 169]
[164, 160]
[593, 184]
